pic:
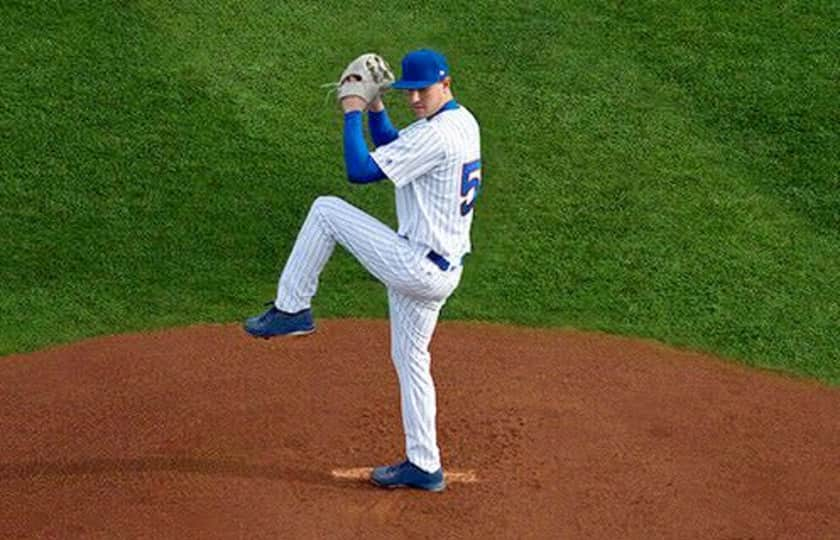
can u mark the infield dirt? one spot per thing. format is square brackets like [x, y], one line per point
[204, 432]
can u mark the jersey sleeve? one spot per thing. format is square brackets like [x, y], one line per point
[417, 150]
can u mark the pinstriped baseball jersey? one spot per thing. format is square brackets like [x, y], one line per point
[435, 164]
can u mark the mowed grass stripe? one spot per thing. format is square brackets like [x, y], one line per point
[661, 170]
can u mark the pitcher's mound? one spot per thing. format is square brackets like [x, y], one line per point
[204, 432]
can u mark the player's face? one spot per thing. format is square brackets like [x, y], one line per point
[426, 101]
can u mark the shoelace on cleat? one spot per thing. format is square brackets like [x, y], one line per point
[268, 312]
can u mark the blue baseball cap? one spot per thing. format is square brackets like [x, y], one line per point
[421, 69]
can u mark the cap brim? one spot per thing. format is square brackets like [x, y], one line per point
[412, 85]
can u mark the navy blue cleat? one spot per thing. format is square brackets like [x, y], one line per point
[274, 323]
[407, 474]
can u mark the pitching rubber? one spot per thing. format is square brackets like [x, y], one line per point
[362, 474]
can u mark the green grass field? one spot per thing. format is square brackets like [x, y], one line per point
[667, 170]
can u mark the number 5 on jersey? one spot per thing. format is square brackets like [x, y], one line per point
[470, 185]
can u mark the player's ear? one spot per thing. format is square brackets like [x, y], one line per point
[447, 82]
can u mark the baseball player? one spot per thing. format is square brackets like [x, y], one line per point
[435, 166]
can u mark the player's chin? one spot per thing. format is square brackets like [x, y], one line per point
[419, 112]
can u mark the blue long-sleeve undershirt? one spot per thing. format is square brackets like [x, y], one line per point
[382, 131]
[361, 168]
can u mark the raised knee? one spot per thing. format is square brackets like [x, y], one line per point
[327, 201]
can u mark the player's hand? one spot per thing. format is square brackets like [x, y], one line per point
[353, 103]
[376, 105]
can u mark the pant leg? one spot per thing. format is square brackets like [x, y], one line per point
[417, 291]
[413, 323]
[331, 220]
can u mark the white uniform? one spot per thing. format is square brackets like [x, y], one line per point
[436, 168]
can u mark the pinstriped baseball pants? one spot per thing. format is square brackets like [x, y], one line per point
[417, 290]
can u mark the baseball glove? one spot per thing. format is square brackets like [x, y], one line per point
[368, 77]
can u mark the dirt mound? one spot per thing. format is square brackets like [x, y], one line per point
[203, 432]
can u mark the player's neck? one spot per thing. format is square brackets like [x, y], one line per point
[447, 105]
[447, 97]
